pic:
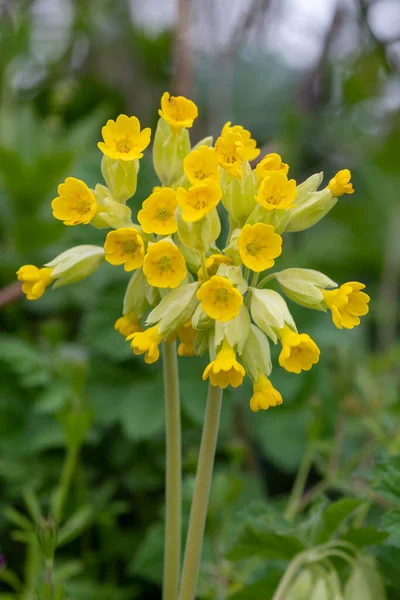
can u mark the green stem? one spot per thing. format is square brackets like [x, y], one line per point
[173, 484]
[299, 484]
[291, 571]
[198, 513]
[204, 269]
[254, 280]
[65, 481]
[265, 280]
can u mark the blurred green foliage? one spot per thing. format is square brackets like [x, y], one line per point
[64, 368]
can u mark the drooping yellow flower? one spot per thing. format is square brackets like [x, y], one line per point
[250, 145]
[128, 323]
[220, 299]
[299, 352]
[158, 212]
[347, 303]
[179, 112]
[212, 264]
[164, 265]
[75, 203]
[146, 342]
[258, 246]
[276, 191]
[340, 184]
[202, 164]
[34, 280]
[264, 394]
[123, 139]
[186, 335]
[198, 200]
[231, 153]
[124, 246]
[270, 162]
[225, 369]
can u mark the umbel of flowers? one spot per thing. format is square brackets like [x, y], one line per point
[186, 282]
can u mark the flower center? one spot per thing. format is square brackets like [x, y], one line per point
[129, 246]
[200, 174]
[83, 206]
[164, 263]
[163, 214]
[274, 199]
[124, 146]
[253, 248]
[222, 295]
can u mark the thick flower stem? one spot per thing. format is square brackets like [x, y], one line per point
[198, 513]
[173, 485]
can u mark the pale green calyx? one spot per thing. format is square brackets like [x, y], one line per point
[303, 286]
[234, 274]
[169, 150]
[174, 309]
[238, 195]
[201, 320]
[312, 210]
[310, 185]
[256, 356]
[76, 264]
[270, 312]
[110, 213]
[120, 176]
[234, 331]
[201, 234]
[136, 294]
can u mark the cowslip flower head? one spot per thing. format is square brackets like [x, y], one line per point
[202, 165]
[219, 299]
[270, 162]
[124, 246]
[225, 369]
[299, 352]
[347, 303]
[123, 139]
[198, 200]
[231, 153]
[340, 184]
[212, 264]
[186, 335]
[75, 203]
[276, 191]
[128, 323]
[250, 146]
[157, 214]
[146, 342]
[179, 112]
[258, 246]
[264, 394]
[34, 280]
[164, 265]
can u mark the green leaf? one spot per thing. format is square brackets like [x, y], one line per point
[74, 527]
[335, 517]
[362, 537]
[262, 588]
[390, 522]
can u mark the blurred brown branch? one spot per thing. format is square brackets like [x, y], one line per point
[183, 80]
[10, 293]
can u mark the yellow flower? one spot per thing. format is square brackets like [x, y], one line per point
[264, 394]
[258, 246]
[124, 246]
[299, 352]
[347, 304]
[202, 164]
[199, 200]
[186, 335]
[251, 151]
[340, 184]
[219, 299]
[128, 323]
[276, 191]
[212, 264]
[158, 212]
[164, 265]
[270, 162]
[146, 342]
[178, 111]
[225, 369]
[123, 139]
[34, 280]
[75, 203]
[231, 153]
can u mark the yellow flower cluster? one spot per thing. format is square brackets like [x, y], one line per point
[184, 283]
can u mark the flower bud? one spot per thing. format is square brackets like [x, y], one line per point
[202, 341]
[174, 309]
[76, 264]
[200, 234]
[232, 249]
[365, 581]
[308, 186]
[110, 213]
[234, 331]
[234, 274]
[303, 286]
[277, 218]
[312, 210]
[270, 312]
[135, 299]
[239, 195]
[207, 141]
[256, 355]
[201, 320]
[169, 150]
[46, 534]
[302, 586]
[120, 176]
